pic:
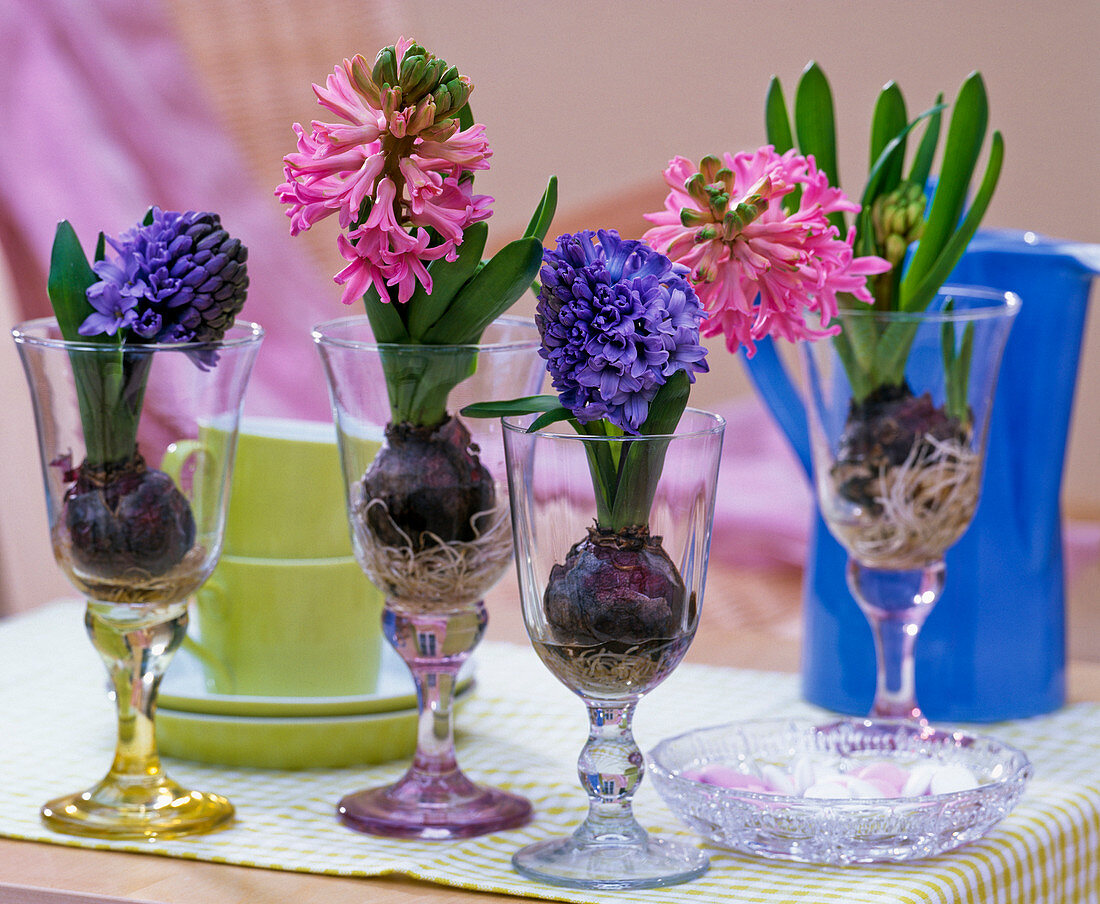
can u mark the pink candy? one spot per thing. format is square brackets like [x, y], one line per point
[727, 777]
[816, 779]
[889, 778]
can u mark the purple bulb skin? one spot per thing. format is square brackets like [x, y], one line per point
[129, 520]
[432, 484]
[617, 588]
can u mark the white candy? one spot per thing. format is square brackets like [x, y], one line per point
[952, 778]
[805, 774]
[862, 790]
[777, 780]
[808, 778]
[828, 791]
[919, 781]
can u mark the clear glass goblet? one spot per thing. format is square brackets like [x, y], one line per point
[428, 510]
[133, 539]
[898, 459]
[611, 613]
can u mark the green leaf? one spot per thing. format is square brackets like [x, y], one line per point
[668, 405]
[69, 279]
[956, 367]
[512, 407]
[926, 150]
[419, 382]
[865, 232]
[385, 320]
[432, 384]
[465, 117]
[641, 463]
[447, 278]
[553, 416]
[486, 296]
[544, 213]
[947, 341]
[961, 375]
[603, 460]
[815, 126]
[889, 122]
[875, 179]
[814, 121]
[915, 296]
[777, 122]
[899, 336]
[965, 136]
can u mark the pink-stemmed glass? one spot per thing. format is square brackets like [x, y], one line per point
[433, 560]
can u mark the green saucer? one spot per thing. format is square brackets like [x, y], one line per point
[184, 691]
[290, 742]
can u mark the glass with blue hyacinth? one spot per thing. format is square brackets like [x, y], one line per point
[612, 492]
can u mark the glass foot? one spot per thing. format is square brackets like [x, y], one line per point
[650, 863]
[436, 811]
[140, 811]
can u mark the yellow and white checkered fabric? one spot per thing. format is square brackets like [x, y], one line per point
[523, 731]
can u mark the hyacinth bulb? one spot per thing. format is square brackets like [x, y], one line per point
[432, 485]
[127, 519]
[883, 432]
[616, 587]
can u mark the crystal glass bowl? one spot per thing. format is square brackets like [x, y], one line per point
[832, 831]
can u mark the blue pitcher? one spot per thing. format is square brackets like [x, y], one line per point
[994, 646]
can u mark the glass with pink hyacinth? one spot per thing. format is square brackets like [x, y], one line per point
[425, 512]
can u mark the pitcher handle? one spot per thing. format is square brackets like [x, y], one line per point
[770, 377]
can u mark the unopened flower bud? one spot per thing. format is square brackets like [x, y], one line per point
[384, 71]
[691, 218]
[710, 166]
[391, 101]
[696, 187]
[413, 69]
[364, 83]
[422, 117]
[456, 92]
[441, 131]
[916, 219]
[898, 220]
[894, 249]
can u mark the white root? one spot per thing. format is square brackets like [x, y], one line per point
[922, 506]
[444, 575]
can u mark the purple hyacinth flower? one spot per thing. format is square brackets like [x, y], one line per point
[180, 277]
[114, 310]
[617, 319]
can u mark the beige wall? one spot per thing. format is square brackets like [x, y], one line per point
[604, 93]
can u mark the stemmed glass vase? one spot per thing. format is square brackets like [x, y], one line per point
[898, 462]
[611, 612]
[428, 508]
[133, 540]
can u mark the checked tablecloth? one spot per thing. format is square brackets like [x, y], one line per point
[522, 730]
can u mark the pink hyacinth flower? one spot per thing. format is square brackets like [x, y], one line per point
[762, 277]
[337, 166]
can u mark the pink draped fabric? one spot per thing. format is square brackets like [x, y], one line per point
[102, 118]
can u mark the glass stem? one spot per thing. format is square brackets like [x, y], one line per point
[896, 604]
[610, 767]
[136, 644]
[435, 646]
